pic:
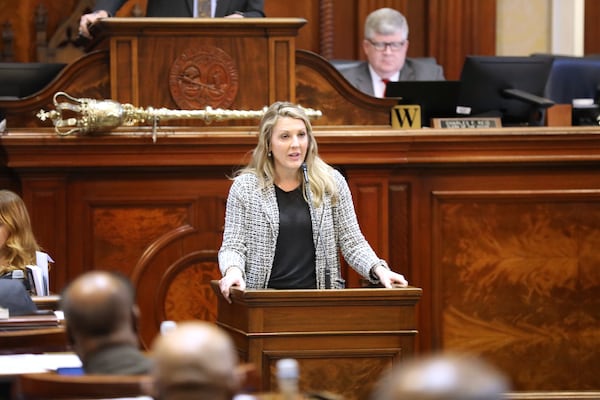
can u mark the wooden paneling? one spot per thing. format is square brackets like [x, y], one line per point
[499, 227]
[459, 28]
[591, 27]
[499, 254]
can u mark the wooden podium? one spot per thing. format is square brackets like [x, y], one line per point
[343, 339]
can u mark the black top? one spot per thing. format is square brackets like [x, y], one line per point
[294, 262]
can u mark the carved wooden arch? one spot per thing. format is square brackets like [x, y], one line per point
[172, 281]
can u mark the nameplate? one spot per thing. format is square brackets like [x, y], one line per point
[467, 123]
[406, 116]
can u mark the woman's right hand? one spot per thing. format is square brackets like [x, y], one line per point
[233, 277]
[87, 20]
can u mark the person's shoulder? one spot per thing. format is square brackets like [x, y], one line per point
[424, 67]
[353, 70]
[246, 182]
[245, 178]
[338, 178]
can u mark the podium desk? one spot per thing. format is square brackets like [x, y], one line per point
[343, 339]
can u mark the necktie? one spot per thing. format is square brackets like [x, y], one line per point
[385, 82]
[202, 8]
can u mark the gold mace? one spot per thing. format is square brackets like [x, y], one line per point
[91, 116]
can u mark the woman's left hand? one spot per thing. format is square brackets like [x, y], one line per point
[388, 278]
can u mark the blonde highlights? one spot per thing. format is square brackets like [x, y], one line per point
[20, 247]
[263, 166]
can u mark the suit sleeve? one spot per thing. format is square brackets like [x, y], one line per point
[254, 9]
[110, 6]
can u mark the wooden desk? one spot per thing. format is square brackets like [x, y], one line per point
[51, 302]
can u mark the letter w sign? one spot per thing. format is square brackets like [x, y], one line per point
[406, 116]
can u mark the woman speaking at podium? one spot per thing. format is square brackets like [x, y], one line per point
[288, 213]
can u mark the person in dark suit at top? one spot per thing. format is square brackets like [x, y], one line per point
[385, 44]
[176, 8]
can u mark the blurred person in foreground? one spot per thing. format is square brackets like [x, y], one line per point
[196, 360]
[101, 323]
[442, 377]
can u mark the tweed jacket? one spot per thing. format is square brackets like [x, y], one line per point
[413, 70]
[183, 8]
[252, 227]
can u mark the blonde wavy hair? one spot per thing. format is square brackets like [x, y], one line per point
[20, 246]
[263, 166]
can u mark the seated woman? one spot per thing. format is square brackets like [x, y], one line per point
[18, 246]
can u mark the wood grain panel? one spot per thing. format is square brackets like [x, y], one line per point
[399, 227]
[173, 278]
[460, 28]
[503, 256]
[47, 199]
[366, 191]
[352, 371]
[308, 37]
[591, 27]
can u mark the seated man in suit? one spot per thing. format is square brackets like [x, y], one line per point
[101, 322]
[442, 377]
[385, 45]
[195, 360]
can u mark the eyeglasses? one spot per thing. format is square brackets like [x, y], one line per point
[381, 46]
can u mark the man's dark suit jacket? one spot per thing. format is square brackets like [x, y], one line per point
[184, 8]
[14, 296]
[413, 70]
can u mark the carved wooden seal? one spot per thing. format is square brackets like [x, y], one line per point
[203, 76]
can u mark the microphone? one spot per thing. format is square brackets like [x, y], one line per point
[312, 214]
[305, 173]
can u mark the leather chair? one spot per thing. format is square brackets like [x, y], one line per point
[573, 78]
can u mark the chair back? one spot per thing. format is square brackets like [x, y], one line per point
[46, 386]
[573, 78]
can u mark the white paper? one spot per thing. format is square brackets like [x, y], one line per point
[15, 364]
[42, 260]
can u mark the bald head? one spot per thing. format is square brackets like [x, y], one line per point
[98, 303]
[442, 377]
[196, 355]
